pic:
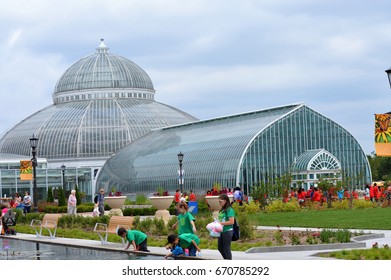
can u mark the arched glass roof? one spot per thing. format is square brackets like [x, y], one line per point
[212, 148]
[318, 159]
[243, 150]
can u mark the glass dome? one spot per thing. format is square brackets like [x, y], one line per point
[103, 70]
[101, 103]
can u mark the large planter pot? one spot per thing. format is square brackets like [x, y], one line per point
[115, 203]
[213, 202]
[162, 203]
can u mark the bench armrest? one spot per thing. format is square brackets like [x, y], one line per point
[100, 227]
[36, 223]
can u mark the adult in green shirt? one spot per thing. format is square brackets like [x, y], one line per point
[135, 237]
[226, 219]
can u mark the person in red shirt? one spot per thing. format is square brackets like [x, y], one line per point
[192, 196]
[301, 196]
[346, 194]
[316, 196]
[177, 196]
[371, 196]
[355, 194]
[375, 192]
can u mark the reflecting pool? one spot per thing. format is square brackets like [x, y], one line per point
[13, 249]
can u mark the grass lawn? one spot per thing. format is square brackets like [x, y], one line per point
[372, 218]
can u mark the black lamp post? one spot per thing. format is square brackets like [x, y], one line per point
[33, 144]
[63, 167]
[388, 71]
[180, 159]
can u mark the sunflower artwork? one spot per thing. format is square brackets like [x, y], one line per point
[26, 170]
[383, 134]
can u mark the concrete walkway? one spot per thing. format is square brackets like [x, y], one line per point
[298, 254]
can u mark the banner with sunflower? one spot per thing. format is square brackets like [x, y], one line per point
[383, 134]
[26, 170]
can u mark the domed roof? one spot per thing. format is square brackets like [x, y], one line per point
[102, 103]
[103, 70]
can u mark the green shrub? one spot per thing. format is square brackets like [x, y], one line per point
[141, 199]
[159, 227]
[329, 236]
[247, 229]
[343, 204]
[363, 204]
[145, 225]
[279, 206]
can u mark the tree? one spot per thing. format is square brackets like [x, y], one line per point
[61, 197]
[50, 197]
[78, 196]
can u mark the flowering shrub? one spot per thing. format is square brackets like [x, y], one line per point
[279, 206]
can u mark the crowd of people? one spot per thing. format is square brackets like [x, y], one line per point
[372, 192]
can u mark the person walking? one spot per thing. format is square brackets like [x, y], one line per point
[101, 202]
[72, 202]
[226, 219]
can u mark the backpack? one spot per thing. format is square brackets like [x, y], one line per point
[235, 228]
[96, 199]
[236, 231]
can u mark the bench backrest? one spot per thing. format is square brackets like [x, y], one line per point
[116, 221]
[50, 220]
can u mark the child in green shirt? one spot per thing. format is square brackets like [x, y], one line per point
[135, 237]
[186, 240]
[185, 221]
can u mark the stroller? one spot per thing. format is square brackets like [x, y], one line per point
[9, 221]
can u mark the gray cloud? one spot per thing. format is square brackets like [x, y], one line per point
[209, 58]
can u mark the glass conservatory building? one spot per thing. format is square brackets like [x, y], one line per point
[238, 150]
[100, 104]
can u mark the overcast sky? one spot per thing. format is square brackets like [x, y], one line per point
[209, 57]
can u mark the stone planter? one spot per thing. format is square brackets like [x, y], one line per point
[214, 204]
[162, 203]
[115, 203]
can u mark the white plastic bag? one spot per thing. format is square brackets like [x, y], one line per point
[214, 228]
[95, 212]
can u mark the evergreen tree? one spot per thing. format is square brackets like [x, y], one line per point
[61, 197]
[50, 197]
[78, 196]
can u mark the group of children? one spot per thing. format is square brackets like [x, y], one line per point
[185, 243]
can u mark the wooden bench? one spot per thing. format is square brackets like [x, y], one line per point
[48, 222]
[115, 223]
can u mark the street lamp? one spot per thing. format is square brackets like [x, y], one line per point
[33, 144]
[63, 167]
[388, 71]
[180, 159]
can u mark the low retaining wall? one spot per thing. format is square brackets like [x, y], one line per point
[355, 244]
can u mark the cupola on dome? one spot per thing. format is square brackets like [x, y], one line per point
[103, 71]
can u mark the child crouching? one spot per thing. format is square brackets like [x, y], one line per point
[136, 237]
[184, 241]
